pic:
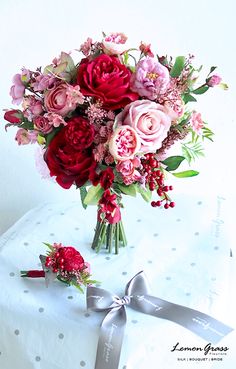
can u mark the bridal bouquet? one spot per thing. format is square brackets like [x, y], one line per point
[107, 124]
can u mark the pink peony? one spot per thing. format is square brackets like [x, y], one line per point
[114, 43]
[62, 99]
[149, 120]
[214, 80]
[150, 79]
[124, 143]
[42, 124]
[17, 90]
[196, 122]
[24, 137]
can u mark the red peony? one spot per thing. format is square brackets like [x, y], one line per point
[79, 133]
[67, 164]
[107, 80]
[106, 178]
[70, 258]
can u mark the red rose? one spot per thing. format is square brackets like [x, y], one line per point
[13, 116]
[67, 164]
[106, 178]
[79, 133]
[106, 79]
[70, 258]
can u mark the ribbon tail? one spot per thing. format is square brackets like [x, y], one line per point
[110, 339]
[206, 327]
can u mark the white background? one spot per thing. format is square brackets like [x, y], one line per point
[33, 32]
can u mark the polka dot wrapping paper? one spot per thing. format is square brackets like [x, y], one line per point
[185, 255]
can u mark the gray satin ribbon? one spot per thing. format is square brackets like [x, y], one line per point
[49, 275]
[137, 297]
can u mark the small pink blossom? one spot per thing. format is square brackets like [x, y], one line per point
[55, 119]
[196, 122]
[149, 120]
[86, 47]
[17, 90]
[42, 124]
[24, 137]
[214, 80]
[146, 49]
[124, 143]
[99, 152]
[74, 96]
[32, 106]
[150, 79]
[114, 43]
[175, 108]
[43, 82]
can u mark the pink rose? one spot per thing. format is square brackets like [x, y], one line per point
[17, 90]
[149, 120]
[62, 99]
[150, 79]
[124, 143]
[114, 43]
[42, 124]
[196, 122]
[128, 170]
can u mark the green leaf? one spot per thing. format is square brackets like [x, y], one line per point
[49, 246]
[173, 162]
[128, 190]
[83, 194]
[145, 193]
[188, 98]
[93, 196]
[211, 70]
[186, 173]
[51, 135]
[177, 67]
[200, 90]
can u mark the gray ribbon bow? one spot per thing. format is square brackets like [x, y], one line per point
[137, 297]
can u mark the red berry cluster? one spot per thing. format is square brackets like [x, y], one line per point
[55, 262]
[155, 181]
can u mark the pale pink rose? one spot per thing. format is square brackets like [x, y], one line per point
[24, 137]
[149, 120]
[124, 143]
[114, 43]
[55, 119]
[150, 79]
[196, 122]
[214, 80]
[128, 170]
[42, 124]
[17, 90]
[62, 99]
